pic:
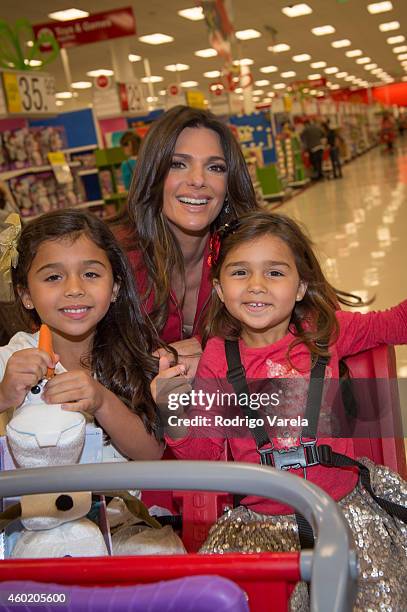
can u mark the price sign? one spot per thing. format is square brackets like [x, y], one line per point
[29, 93]
[131, 97]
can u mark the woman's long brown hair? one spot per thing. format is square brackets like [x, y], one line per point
[313, 320]
[148, 228]
[120, 355]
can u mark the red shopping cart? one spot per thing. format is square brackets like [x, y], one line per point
[267, 578]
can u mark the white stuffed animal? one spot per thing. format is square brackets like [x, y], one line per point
[41, 435]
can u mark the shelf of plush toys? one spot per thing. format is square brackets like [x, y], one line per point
[30, 179]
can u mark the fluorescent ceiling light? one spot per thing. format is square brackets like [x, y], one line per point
[33, 63]
[297, 10]
[403, 56]
[318, 64]
[152, 99]
[379, 7]
[262, 83]
[399, 49]
[394, 40]
[279, 86]
[341, 75]
[313, 77]
[288, 74]
[212, 74]
[30, 43]
[81, 85]
[100, 72]
[246, 61]
[162, 92]
[68, 14]
[64, 95]
[350, 78]
[336, 86]
[258, 92]
[247, 34]
[156, 39]
[279, 48]
[267, 69]
[323, 30]
[331, 70]
[256, 99]
[134, 58]
[354, 53]
[302, 57]
[338, 44]
[206, 52]
[189, 83]
[176, 67]
[377, 71]
[152, 79]
[59, 103]
[370, 66]
[271, 94]
[194, 14]
[363, 60]
[390, 25]
[266, 99]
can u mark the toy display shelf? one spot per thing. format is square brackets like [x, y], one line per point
[5, 176]
[108, 162]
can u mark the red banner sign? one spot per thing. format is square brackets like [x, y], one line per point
[97, 27]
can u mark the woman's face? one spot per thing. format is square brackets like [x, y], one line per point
[195, 187]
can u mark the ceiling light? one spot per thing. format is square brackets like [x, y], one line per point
[394, 40]
[279, 48]
[194, 14]
[59, 103]
[30, 43]
[323, 30]
[403, 56]
[100, 72]
[64, 95]
[267, 69]
[246, 61]
[341, 75]
[350, 78]
[238, 90]
[318, 64]
[354, 53]
[271, 94]
[152, 79]
[258, 92]
[189, 84]
[302, 57]
[297, 10]
[212, 74]
[379, 7]
[68, 14]
[265, 100]
[162, 92]
[288, 74]
[341, 43]
[336, 86]
[33, 63]
[370, 66]
[156, 39]
[81, 85]
[176, 67]
[279, 86]
[313, 77]
[363, 60]
[262, 83]
[390, 25]
[313, 92]
[377, 71]
[331, 70]
[134, 58]
[206, 52]
[247, 34]
[400, 49]
[151, 99]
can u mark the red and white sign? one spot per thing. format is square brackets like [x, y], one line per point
[173, 89]
[97, 27]
[103, 82]
[131, 97]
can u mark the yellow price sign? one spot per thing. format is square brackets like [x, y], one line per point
[56, 158]
[195, 99]
[12, 92]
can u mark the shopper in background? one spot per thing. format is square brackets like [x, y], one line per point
[312, 138]
[190, 179]
[72, 275]
[388, 132]
[130, 143]
[332, 139]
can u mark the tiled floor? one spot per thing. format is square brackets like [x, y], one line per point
[359, 226]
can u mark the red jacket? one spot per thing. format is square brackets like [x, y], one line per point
[172, 331]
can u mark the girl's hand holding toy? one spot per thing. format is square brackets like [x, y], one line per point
[76, 390]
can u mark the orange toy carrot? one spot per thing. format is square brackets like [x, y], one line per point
[45, 344]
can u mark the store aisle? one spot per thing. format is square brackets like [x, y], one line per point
[359, 226]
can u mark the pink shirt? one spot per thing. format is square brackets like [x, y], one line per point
[358, 332]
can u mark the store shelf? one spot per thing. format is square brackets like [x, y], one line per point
[88, 172]
[80, 149]
[116, 196]
[90, 204]
[5, 176]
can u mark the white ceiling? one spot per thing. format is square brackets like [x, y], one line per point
[350, 19]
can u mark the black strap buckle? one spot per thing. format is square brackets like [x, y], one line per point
[266, 456]
[236, 374]
[325, 455]
[294, 458]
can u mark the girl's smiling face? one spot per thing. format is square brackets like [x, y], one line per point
[259, 285]
[70, 284]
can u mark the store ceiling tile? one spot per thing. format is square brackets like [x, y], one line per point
[351, 21]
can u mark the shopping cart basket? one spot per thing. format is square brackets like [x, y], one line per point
[267, 578]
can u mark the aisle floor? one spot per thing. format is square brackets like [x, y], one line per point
[359, 226]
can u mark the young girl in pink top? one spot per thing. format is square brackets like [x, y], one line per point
[271, 297]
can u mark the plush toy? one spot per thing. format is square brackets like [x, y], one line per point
[41, 435]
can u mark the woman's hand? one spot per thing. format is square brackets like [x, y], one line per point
[189, 352]
[24, 369]
[77, 391]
